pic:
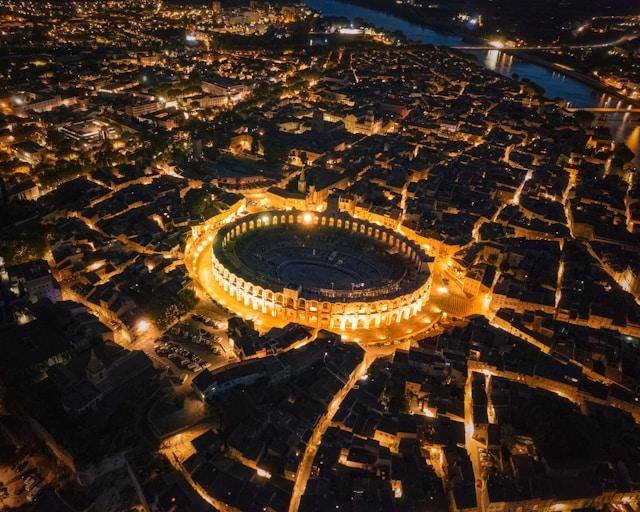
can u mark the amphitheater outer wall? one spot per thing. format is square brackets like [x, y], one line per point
[328, 312]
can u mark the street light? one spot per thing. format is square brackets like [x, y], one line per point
[263, 473]
[307, 218]
[142, 326]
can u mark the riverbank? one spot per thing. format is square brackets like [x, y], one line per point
[399, 11]
[576, 75]
[583, 91]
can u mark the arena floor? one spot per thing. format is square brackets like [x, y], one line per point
[315, 259]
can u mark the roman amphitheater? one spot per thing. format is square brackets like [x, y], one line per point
[323, 270]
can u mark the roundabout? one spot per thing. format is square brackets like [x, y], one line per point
[322, 270]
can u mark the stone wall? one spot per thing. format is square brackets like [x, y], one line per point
[336, 309]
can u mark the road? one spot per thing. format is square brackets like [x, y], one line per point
[471, 445]
[497, 45]
[177, 449]
[447, 299]
[569, 391]
[304, 469]
[605, 110]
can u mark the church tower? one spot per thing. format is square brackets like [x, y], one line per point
[96, 371]
[302, 183]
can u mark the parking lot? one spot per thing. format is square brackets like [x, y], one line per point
[21, 482]
[198, 342]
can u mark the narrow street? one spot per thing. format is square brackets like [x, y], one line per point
[471, 445]
[304, 469]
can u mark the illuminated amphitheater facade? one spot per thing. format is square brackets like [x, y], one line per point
[370, 307]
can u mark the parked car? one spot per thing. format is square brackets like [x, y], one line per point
[32, 482]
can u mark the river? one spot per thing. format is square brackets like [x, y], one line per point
[624, 127]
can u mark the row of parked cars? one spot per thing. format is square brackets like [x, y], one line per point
[181, 357]
[187, 333]
[33, 482]
[205, 320]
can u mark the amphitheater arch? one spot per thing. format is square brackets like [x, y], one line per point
[337, 307]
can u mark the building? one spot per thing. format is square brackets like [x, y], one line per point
[363, 307]
[88, 131]
[142, 108]
[33, 280]
[31, 102]
[27, 190]
[208, 384]
[29, 152]
[221, 86]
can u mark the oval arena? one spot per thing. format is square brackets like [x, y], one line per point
[323, 270]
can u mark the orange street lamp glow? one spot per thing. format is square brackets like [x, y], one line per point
[142, 326]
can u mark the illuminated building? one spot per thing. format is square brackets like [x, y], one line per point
[326, 287]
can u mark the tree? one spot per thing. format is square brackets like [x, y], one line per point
[166, 309]
[57, 140]
[25, 244]
[532, 88]
[199, 203]
[584, 118]
[275, 151]
[623, 152]
[561, 434]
